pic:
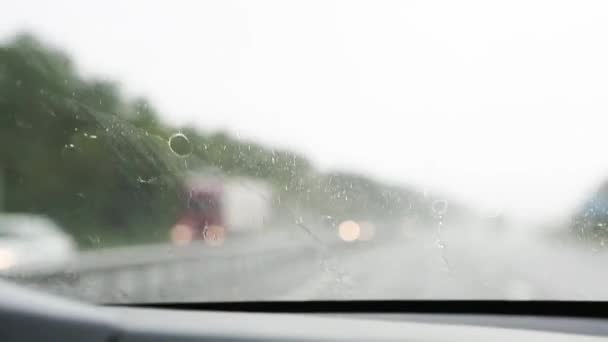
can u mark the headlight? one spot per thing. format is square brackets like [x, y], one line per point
[8, 258]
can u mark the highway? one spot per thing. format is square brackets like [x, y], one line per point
[290, 265]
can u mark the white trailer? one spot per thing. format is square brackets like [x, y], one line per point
[247, 204]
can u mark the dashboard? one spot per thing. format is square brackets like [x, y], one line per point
[28, 315]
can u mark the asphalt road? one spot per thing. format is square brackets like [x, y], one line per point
[455, 264]
[461, 264]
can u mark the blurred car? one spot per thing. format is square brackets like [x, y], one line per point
[33, 245]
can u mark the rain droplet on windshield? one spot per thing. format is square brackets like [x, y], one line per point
[299, 220]
[180, 145]
[440, 207]
[94, 239]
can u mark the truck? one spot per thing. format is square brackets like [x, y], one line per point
[215, 207]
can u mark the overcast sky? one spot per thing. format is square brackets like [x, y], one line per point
[502, 104]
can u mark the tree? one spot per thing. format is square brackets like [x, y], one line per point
[102, 164]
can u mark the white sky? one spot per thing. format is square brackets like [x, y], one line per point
[502, 104]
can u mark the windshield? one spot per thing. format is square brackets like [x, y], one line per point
[285, 150]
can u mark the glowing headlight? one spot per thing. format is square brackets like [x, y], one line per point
[349, 231]
[8, 259]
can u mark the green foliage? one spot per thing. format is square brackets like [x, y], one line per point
[68, 151]
[107, 168]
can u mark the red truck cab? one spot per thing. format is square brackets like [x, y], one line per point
[202, 215]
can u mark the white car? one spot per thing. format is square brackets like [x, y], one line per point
[32, 244]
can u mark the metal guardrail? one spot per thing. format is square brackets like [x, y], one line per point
[246, 265]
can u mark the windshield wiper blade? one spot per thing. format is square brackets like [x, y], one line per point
[590, 309]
